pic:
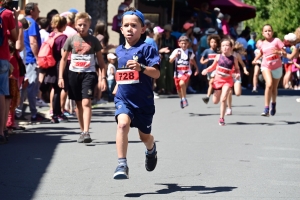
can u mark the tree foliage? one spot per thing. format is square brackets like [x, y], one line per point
[283, 15]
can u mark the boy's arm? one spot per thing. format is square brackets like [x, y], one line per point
[115, 90]
[240, 60]
[102, 70]
[62, 65]
[193, 62]
[152, 71]
[173, 56]
[202, 61]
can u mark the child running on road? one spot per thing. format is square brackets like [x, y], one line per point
[138, 64]
[238, 51]
[271, 67]
[223, 82]
[82, 71]
[183, 58]
[207, 59]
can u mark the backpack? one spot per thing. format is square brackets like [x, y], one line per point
[115, 26]
[45, 57]
[1, 27]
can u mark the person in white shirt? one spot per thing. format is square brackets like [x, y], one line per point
[111, 70]
[44, 25]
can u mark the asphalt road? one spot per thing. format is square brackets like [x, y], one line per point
[252, 157]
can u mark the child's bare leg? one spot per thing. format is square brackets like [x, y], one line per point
[216, 97]
[122, 135]
[229, 99]
[224, 94]
[183, 88]
[79, 113]
[87, 114]
[210, 88]
[147, 139]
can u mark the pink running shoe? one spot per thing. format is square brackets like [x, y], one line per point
[221, 122]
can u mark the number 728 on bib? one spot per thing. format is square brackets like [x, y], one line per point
[127, 76]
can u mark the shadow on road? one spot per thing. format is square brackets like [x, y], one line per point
[25, 160]
[173, 187]
[201, 115]
[268, 124]
[94, 143]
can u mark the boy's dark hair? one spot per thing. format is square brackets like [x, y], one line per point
[149, 31]
[30, 7]
[183, 38]
[25, 23]
[51, 13]
[132, 9]
[43, 22]
[216, 38]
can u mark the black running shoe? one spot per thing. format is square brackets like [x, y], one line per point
[6, 135]
[39, 118]
[2, 139]
[54, 119]
[151, 161]
[205, 99]
[121, 172]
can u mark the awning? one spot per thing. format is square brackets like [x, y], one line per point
[238, 10]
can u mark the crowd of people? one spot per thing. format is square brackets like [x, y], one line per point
[61, 59]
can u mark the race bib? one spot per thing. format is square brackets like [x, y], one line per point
[183, 68]
[211, 56]
[272, 58]
[81, 64]
[127, 76]
[223, 71]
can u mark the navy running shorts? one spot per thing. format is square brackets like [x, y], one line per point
[141, 118]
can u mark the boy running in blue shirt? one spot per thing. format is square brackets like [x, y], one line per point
[207, 58]
[138, 64]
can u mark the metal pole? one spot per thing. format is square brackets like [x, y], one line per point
[173, 6]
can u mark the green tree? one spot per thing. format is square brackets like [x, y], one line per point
[283, 15]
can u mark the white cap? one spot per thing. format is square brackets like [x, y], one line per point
[291, 37]
[111, 56]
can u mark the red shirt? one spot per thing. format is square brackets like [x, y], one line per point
[8, 24]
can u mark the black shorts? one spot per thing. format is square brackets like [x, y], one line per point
[82, 85]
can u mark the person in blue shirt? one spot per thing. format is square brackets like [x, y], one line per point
[138, 64]
[149, 39]
[207, 59]
[32, 41]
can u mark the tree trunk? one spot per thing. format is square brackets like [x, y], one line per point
[97, 9]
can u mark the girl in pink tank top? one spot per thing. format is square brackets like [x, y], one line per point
[223, 82]
[271, 51]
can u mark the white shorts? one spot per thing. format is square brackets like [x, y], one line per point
[276, 73]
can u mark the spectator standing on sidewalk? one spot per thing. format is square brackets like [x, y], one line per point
[32, 40]
[121, 9]
[9, 23]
